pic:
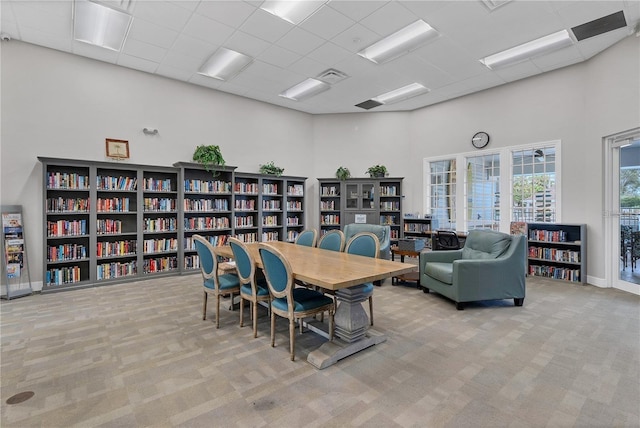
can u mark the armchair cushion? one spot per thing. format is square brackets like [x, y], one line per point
[382, 232]
[486, 245]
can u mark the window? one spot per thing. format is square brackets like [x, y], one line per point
[530, 173]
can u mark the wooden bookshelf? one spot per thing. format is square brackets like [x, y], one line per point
[557, 251]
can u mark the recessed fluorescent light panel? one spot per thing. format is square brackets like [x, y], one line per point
[401, 94]
[293, 11]
[528, 50]
[224, 64]
[400, 42]
[100, 25]
[306, 89]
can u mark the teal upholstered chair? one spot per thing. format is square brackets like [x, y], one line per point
[251, 289]
[288, 301]
[307, 237]
[365, 244]
[491, 266]
[382, 232]
[214, 283]
[333, 240]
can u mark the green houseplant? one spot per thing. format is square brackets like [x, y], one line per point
[342, 173]
[377, 171]
[271, 169]
[209, 156]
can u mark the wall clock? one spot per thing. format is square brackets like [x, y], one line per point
[480, 140]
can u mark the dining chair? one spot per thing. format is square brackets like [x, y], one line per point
[307, 237]
[288, 301]
[251, 289]
[214, 283]
[333, 240]
[365, 244]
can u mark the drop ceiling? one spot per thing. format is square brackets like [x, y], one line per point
[175, 38]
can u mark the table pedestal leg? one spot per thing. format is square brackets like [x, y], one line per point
[351, 320]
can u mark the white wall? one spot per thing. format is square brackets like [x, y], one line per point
[59, 105]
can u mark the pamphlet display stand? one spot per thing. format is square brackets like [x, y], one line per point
[15, 269]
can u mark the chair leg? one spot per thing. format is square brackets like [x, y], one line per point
[518, 301]
[292, 338]
[273, 329]
[371, 309]
[217, 311]
[255, 319]
[460, 306]
[331, 325]
[204, 307]
[241, 310]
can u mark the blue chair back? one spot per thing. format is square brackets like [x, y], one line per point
[277, 271]
[364, 244]
[307, 237]
[332, 240]
[244, 264]
[208, 261]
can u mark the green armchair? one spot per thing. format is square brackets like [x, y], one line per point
[491, 266]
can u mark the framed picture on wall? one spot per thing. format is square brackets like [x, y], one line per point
[117, 149]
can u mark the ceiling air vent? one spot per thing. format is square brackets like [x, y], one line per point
[369, 104]
[600, 26]
[331, 76]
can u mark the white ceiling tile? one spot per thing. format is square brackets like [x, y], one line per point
[37, 37]
[559, 58]
[574, 13]
[594, 45]
[174, 73]
[356, 9]
[232, 13]
[449, 57]
[423, 9]
[209, 82]
[95, 52]
[137, 63]
[327, 23]
[329, 53]
[207, 29]
[232, 88]
[53, 17]
[389, 18]
[193, 47]
[355, 38]
[190, 5]
[152, 33]
[307, 67]
[246, 44]
[517, 71]
[274, 74]
[185, 62]
[266, 26]
[144, 50]
[163, 13]
[278, 56]
[300, 41]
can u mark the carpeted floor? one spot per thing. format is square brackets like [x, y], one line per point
[139, 355]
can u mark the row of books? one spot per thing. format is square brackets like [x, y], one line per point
[330, 219]
[329, 191]
[192, 262]
[294, 205]
[159, 204]
[215, 240]
[295, 190]
[160, 264]
[388, 220]
[247, 237]
[271, 204]
[116, 248]
[67, 204]
[572, 275]
[388, 191]
[202, 223]
[245, 204]
[157, 185]
[251, 188]
[113, 205]
[66, 252]
[548, 235]
[270, 236]
[270, 189]
[107, 225]
[63, 275]
[416, 227]
[292, 235]
[67, 228]
[554, 254]
[64, 180]
[202, 186]
[389, 206]
[293, 221]
[160, 245]
[244, 221]
[270, 220]
[327, 205]
[116, 270]
[116, 183]
[206, 205]
[161, 224]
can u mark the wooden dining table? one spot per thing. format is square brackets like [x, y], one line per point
[345, 274]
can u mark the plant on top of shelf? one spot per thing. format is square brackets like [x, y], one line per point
[209, 156]
[342, 173]
[271, 169]
[377, 171]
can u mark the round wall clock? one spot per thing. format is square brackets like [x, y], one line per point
[480, 140]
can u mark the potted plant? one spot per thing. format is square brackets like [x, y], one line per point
[209, 156]
[342, 173]
[271, 169]
[377, 171]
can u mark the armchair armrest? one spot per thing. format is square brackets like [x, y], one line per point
[486, 279]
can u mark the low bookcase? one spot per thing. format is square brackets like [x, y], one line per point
[557, 251]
